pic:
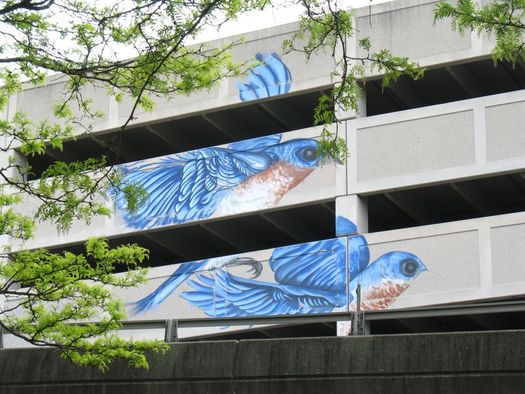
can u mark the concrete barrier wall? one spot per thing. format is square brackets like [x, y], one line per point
[453, 141]
[430, 363]
[210, 183]
[462, 261]
[467, 260]
[307, 75]
[425, 42]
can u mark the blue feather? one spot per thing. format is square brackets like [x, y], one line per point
[256, 144]
[359, 255]
[268, 79]
[343, 226]
[155, 298]
[190, 186]
[317, 265]
[250, 297]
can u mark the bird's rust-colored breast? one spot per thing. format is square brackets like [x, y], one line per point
[283, 175]
[382, 297]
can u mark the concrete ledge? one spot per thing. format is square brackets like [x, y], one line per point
[430, 363]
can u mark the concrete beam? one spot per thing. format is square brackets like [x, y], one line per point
[407, 93]
[232, 242]
[291, 224]
[163, 244]
[466, 79]
[470, 194]
[164, 137]
[277, 118]
[218, 127]
[111, 146]
[412, 207]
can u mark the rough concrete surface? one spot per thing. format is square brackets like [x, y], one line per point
[431, 363]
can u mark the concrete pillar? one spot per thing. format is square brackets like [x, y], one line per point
[351, 113]
[351, 208]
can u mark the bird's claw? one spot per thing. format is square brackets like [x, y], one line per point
[255, 269]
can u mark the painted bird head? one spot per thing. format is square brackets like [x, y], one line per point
[300, 152]
[402, 266]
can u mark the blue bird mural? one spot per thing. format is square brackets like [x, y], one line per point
[247, 175]
[186, 271]
[271, 78]
[309, 278]
[244, 176]
[305, 285]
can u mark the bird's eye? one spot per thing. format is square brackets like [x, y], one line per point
[309, 154]
[409, 267]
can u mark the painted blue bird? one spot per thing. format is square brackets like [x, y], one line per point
[244, 176]
[281, 258]
[271, 78]
[186, 271]
[309, 278]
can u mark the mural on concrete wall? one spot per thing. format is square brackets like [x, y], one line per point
[307, 278]
[244, 176]
[270, 78]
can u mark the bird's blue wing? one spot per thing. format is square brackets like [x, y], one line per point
[204, 297]
[270, 78]
[188, 186]
[240, 296]
[315, 265]
[229, 296]
[154, 178]
[162, 292]
[358, 255]
[344, 226]
[256, 144]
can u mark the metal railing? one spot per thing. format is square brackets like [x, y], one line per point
[359, 318]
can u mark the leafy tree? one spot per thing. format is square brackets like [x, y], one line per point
[502, 18]
[324, 26]
[50, 296]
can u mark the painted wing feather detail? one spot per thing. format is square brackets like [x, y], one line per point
[251, 297]
[268, 79]
[258, 144]
[359, 255]
[205, 298]
[316, 265]
[162, 292]
[189, 186]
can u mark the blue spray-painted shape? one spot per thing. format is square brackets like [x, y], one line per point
[270, 78]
